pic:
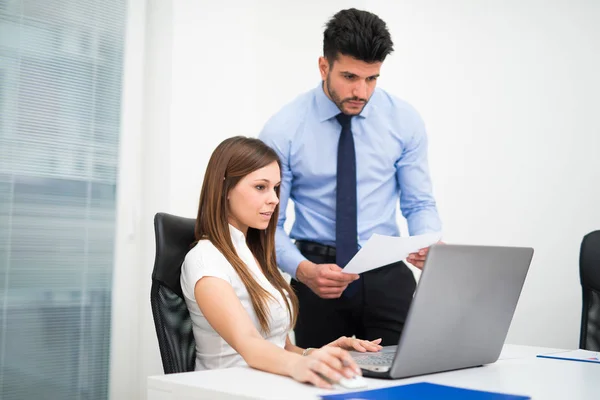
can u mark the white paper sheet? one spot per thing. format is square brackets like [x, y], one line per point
[382, 250]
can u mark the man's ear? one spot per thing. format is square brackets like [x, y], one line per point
[323, 68]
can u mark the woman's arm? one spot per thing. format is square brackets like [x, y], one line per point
[294, 349]
[224, 311]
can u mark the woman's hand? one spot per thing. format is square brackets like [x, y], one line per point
[347, 343]
[331, 363]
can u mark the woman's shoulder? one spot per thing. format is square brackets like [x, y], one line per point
[206, 259]
[204, 253]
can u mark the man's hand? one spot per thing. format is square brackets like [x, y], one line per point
[418, 259]
[326, 280]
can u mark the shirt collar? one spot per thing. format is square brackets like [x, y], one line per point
[237, 237]
[326, 109]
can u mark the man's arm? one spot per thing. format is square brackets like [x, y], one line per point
[416, 193]
[288, 255]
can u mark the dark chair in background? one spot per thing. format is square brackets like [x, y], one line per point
[589, 273]
[174, 235]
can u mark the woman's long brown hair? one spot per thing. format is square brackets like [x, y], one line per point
[233, 159]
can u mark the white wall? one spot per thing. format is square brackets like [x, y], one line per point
[509, 94]
[143, 189]
[124, 376]
[234, 64]
[508, 91]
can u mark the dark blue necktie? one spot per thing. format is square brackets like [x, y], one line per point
[346, 236]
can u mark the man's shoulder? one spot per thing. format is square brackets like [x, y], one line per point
[398, 113]
[394, 105]
[290, 116]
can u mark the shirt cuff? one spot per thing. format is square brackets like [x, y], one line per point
[424, 222]
[289, 261]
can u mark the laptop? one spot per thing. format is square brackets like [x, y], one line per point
[460, 313]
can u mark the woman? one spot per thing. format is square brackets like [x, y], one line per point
[242, 308]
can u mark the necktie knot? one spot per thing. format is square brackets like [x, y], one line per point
[344, 120]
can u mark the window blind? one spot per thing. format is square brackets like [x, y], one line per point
[60, 100]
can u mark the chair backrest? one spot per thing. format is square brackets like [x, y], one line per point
[174, 235]
[589, 273]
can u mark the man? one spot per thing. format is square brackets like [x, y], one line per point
[349, 151]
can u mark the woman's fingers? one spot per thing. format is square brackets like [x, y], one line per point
[318, 381]
[339, 364]
[349, 365]
[369, 346]
[325, 367]
[362, 345]
[372, 345]
[347, 360]
[332, 360]
[357, 345]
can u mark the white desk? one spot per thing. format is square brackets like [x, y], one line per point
[517, 372]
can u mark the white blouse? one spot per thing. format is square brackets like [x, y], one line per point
[212, 351]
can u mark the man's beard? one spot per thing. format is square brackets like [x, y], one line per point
[339, 102]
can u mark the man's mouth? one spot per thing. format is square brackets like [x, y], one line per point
[354, 103]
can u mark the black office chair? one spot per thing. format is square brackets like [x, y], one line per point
[174, 235]
[589, 273]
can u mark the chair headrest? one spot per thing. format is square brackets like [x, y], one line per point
[174, 236]
[589, 260]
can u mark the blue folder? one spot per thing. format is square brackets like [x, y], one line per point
[575, 355]
[423, 391]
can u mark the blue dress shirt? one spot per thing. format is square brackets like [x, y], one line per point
[391, 164]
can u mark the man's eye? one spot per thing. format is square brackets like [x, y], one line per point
[372, 78]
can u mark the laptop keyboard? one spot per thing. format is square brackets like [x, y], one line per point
[374, 358]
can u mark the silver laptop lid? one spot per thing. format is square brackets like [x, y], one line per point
[462, 308]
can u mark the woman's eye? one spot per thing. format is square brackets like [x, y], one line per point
[260, 187]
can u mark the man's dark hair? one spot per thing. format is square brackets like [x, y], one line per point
[358, 34]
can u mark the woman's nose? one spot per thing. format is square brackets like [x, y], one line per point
[273, 199]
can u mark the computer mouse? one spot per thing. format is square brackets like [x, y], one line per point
[353, 383]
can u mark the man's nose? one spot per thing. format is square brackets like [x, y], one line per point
[360, 90]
